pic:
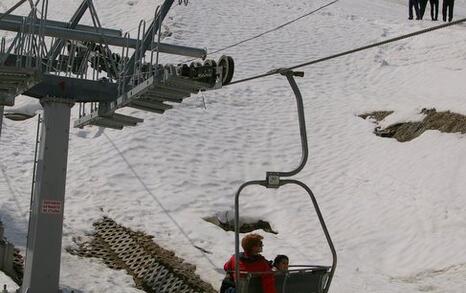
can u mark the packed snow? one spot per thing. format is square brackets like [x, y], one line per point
[396, 211]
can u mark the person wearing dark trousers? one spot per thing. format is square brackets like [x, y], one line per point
[422, 7]
[414, 4]
[448, 9]
[434, 9]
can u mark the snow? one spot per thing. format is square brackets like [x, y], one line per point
[5, 280]
[396, 211]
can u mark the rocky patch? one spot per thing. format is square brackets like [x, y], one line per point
[447, 122]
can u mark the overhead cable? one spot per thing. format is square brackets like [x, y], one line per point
[402, 37]
[159, 203]
[263, 33]
[273, 29]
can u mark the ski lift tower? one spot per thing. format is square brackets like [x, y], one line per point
[102, 70]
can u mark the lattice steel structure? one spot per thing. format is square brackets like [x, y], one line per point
[102, 70]
[153, 268]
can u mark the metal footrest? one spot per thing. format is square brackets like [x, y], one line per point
[150, 105]
[167, 86]
[112, 120]
[15, 81]
[152, 95]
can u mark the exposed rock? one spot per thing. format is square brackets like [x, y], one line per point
[245, 227]
[447, 122]
[376, 115]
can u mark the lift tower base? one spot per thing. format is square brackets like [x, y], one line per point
[42, 269]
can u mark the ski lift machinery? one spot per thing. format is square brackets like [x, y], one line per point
[61, 64]
[300, 279]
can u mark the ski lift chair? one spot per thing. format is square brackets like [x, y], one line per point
[304, 279]
[299, 279]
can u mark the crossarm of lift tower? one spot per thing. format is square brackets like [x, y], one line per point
[99, 67]
[47, 73]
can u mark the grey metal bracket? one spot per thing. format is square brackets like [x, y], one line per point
[74, 89]
[301, 120]
[273, 178]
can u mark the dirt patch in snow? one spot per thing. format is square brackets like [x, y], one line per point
[245, 227]
[447, 122]
[153, 268]
[376, 115]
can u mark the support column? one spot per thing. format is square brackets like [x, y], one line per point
[42, 269]
[1, 119]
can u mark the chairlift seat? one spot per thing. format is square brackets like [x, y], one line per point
[309, 280]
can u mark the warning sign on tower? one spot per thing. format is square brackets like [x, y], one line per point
[52, 207]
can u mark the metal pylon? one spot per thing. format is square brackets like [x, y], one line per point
[1, 120]
[42, 268]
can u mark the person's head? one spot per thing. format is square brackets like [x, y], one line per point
[281, 262]
[252, 244]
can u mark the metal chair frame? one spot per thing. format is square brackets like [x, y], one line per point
[273, 180]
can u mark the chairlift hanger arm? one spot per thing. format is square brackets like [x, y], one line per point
[273, 178]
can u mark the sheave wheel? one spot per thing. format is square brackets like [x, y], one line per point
[227, 65]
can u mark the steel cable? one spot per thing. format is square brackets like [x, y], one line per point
[402, 37]
[269, 31]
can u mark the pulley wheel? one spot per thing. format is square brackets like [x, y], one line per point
[227, 65]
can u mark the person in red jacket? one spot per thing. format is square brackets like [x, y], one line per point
[252, 261]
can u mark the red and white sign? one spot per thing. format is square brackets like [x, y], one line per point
[51, 207]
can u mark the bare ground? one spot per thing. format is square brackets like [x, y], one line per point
[447, 122]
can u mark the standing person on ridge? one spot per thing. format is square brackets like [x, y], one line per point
[422, 7]
[448, 8]
[414, 4]
[434, 9]
[252, 261]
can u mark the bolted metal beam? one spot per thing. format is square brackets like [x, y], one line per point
[81, 27]
[73, 89]
[87, 36]
[12, 8]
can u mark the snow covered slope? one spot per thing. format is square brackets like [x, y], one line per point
[396, 211]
